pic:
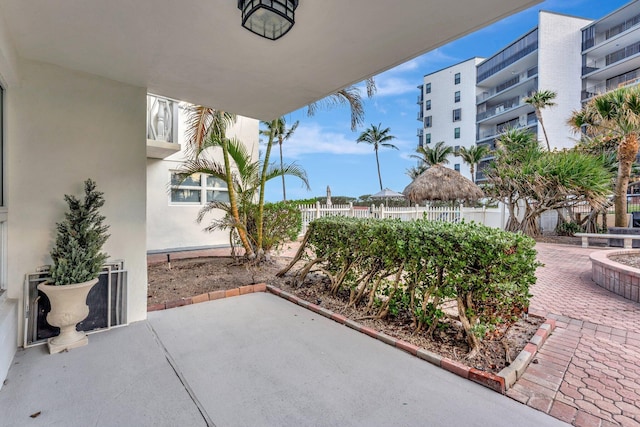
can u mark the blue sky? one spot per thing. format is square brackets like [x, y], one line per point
[325, 146]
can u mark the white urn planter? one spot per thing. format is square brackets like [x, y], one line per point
[68, 308]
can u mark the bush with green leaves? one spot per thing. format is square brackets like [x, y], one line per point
[282, 223]
[77, 255]
[390, 266]
[569, 228]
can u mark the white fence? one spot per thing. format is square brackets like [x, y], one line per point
[492, 217]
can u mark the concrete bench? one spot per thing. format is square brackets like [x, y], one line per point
[627, 238]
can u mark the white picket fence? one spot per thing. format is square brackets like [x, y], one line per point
[489, 217]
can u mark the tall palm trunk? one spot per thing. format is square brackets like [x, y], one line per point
[379, 174]
[284, 189]
[263, 180]
[626, 155]
[233, 202]
[544, 131]
[472, 169]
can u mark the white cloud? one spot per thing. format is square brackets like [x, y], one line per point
[388, 86]
[407, 156]
[312, 138]
[411, 65]
[438, 56]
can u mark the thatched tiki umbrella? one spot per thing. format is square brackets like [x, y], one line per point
[441, 183]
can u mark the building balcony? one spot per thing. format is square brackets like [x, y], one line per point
[420, 115]
[503, 107]
[598, 34]
[162, 127]
[503, 87]
[631, 78]
[593, 65]
[486, 135]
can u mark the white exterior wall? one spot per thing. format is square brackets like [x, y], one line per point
[442, 93]
[173, 226]
[63, 127]
[559, 70]
[8, 306]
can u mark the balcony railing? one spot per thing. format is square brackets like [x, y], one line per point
[497, 130]
[420, 115]
[499, 109]
[621, 28]
[612, 58]
[631, 78]
[512, 53]
[531, 72]
[162, 119]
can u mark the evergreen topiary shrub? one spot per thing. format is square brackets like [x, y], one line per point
[77, 255]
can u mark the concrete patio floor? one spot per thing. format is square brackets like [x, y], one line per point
[255, 360]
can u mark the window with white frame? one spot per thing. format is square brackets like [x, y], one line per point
[197, 189]
[457, 114]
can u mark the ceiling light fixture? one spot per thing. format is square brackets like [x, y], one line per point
[270, 19]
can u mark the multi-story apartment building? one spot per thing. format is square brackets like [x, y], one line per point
[448, 109]
[548, 57]
[545, 58]
[611, 51]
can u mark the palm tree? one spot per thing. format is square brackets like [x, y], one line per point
[281, 135]
[206, 127]
[415, 171]
[434, 156]
[377, 137]
[540, 100]
[245, 181]
[615, 115]
[472, 157]
[350, 96]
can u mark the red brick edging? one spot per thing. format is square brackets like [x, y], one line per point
[500, 382]
[210, 296]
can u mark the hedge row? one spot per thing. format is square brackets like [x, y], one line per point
[393, 266]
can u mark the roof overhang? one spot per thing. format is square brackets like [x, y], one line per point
[197, 50]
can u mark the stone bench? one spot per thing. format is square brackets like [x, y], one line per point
[627, 238]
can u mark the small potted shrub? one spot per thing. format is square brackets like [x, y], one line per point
[77, 261]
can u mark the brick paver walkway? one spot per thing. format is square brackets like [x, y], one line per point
[588, 371]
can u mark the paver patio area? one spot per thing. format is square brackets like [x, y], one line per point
[588, 371]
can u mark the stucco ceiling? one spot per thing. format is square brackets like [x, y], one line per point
[196, 50]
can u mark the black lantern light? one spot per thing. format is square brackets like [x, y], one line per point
[270, 19]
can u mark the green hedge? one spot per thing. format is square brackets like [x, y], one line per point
[393, 266]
